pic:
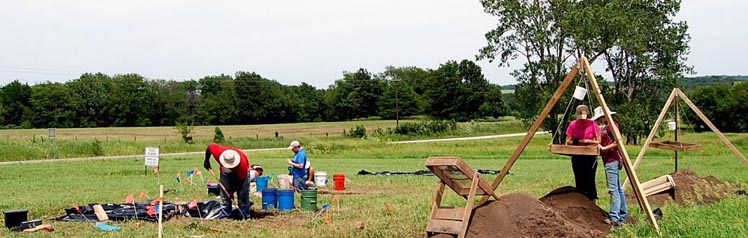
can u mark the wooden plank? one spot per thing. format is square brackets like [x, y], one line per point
[449, 213]
[437, 201]
[442, 161]
[711, 126]
[533, 129]
[444, 226]
[675, 146]
[643, 203]
[574, 150]
[469, 206]
[654, 182]
[657, 189]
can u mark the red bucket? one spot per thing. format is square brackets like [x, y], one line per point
[339, 180]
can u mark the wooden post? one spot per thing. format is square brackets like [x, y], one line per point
[160, 211]
[643, 203]
[535, 126]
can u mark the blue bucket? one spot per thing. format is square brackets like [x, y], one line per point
[262, 183]
[285, 200]
[269, 198]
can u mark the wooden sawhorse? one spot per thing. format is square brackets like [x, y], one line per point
[462, 179]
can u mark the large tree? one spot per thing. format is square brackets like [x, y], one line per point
[134, 102]
[219, 100]
[260, 100]
[355, 96]
[91, 98]
[640, 44]
[399, 98]
[15, 99]
[49, 102]
[307, 102]
[458, 91]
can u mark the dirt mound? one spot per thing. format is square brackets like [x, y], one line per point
[521, 215]
[692, 189]
[576, 207]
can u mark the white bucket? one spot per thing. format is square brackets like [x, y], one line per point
[284, 181]
[320, 178]
[671, 125]
[579, 93]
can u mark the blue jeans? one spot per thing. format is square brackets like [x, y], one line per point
[618, 211]
[300, 183]
[241, 188]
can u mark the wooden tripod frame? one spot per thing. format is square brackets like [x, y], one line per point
[582, 64]
[675, 95]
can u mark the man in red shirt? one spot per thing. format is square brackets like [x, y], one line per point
[234, 168]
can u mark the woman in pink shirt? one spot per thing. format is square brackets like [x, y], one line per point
[583, 131]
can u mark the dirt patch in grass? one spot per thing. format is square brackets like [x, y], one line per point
[692, 189]
[562, 213]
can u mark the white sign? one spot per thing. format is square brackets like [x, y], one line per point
[51, 132]
[151, 156]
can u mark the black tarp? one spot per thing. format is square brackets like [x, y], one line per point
[119, 212]
[419, 172]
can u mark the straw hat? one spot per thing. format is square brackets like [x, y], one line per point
[599, 113]
[229, 159]
[582, 110]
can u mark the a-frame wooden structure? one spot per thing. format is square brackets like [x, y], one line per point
[585, 65]
[463, 180]
[674, 96]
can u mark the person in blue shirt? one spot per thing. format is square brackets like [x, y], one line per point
[298, 163]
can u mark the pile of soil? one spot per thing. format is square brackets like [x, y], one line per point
[562, 213]
[692, 189]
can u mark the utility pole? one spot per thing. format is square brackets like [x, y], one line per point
[397, 103]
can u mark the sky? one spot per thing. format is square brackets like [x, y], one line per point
[289, 41]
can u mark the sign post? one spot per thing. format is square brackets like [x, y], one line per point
[151, 158]
[51, 133]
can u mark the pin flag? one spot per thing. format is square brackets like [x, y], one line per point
[142, 195]
[129, 199]
[151, 210]
[199, 173]
[156, 170]
[155, 201]
[327, 218]
[190, 173]
[192, 204]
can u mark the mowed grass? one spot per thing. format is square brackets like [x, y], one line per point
[33, 144]
[46, 189]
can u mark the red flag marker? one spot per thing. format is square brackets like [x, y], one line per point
[129, 199]
[192, 204]
[151, 211]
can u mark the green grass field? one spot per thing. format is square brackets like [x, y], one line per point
[34, 144]
[46, 189]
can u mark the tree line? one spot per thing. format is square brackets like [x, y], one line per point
[454, 91]
[724, 104]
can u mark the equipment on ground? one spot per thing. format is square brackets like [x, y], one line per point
[455, 173]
